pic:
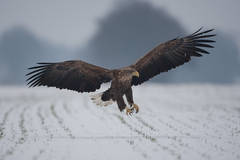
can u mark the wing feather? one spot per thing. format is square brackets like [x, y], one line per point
[74, 75]
[171, 54]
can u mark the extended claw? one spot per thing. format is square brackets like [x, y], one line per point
[135, 107]
[129, 111]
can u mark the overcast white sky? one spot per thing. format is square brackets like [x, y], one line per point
[73, 22]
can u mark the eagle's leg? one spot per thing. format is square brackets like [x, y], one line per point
[122, 106]
[129, 96]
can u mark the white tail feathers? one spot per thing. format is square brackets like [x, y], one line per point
[97, 99]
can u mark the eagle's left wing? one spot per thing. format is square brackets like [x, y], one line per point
[171, 54]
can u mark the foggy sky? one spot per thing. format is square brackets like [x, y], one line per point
[124, 32]
[73, 22]
[134, 28]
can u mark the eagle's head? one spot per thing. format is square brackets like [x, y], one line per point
[129, 73]
[135, 74]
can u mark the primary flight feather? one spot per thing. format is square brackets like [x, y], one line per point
[84, 77]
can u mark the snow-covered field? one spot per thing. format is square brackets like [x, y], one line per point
[189, 122]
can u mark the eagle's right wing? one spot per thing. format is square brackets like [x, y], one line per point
[171, 54]
[74, 75]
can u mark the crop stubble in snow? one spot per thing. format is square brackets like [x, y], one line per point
[174, 122]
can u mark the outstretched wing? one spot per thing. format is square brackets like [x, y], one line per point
[171, 54]
[74, 75]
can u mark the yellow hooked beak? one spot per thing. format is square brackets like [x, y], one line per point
[135, 74]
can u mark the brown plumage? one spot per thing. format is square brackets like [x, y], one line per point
[84, 77]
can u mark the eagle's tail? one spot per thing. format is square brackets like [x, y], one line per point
[99, 100]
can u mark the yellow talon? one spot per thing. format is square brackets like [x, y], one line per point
[135, 106]
[129, 111]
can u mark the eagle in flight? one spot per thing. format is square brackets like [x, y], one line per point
[81, 76]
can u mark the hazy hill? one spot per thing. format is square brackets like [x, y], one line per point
[132, 29]
[128, 32]
[19, 49]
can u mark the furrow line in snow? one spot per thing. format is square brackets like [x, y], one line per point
[66, 109]
[178, 141]
[38, 155]
[172, 127]
[60, 122]
[144, 123]
[22, 126]
[43, 123]
[184, 124]
[206, 138]
[93, 111]
[129, 139]
[21, 139]
[207, 135]
[150, 138]
[2, 124]
[203, 138]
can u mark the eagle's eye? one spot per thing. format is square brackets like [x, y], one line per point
[136, 74]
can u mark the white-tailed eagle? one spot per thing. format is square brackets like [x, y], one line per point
[80, 76]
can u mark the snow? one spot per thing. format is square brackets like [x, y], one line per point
[197, 121]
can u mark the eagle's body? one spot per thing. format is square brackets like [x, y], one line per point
[121, 85]
[84, 77]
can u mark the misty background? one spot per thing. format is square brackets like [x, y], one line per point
[114, 33]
